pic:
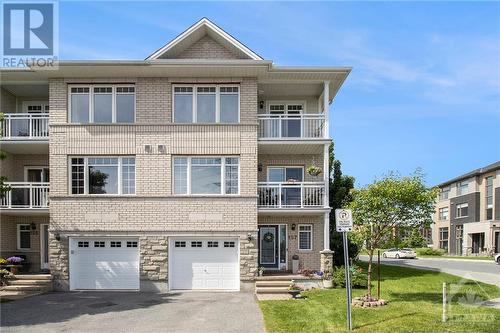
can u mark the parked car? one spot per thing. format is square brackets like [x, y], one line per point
[497, 258]
[400, 253]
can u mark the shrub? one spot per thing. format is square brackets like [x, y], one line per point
[359, 279]
[427, 251]
[15, 260]
[3, 261]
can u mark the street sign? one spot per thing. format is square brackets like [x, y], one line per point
[343, 220]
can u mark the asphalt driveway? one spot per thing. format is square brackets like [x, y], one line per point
[133, 312]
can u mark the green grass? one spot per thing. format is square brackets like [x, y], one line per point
[414, 306]
[457, 257]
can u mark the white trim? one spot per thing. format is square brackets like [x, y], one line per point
[311, 232]
[286, 103]
[42, 103]
[207, 23]
[35, 167]
[42, 247]
[284, 167]
[19, 236]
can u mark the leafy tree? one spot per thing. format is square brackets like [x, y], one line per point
[340, 197]
[390, 203]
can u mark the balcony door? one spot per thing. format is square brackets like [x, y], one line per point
[36, 174]
[290, 177]
[288, 116]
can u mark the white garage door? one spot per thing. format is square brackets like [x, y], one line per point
[204, 264]
[104, 263]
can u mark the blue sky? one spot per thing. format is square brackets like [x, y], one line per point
[425, 86]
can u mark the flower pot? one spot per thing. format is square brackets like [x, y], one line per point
[295, 266]
[14, 269]
[294, 293]
[328, 283]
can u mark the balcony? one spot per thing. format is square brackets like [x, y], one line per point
[26, 197]
[291, 127]
[291, 196]
[25, 133]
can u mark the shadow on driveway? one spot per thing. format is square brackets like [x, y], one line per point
[133, 311]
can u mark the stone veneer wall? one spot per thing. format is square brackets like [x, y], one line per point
[153, 264]
[59, 264]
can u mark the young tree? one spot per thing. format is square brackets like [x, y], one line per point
[390, 203]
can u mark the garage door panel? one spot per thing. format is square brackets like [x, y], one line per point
[204, 267]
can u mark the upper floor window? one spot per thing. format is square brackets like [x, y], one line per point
[463, 210]
[463, 187]
[443, 213]
[292, 108]
[445, 193]
[206, 104]
[102, 175]
[102, 104]
[206, 175]
[489, 198]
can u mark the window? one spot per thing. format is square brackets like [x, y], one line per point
[463, 188]
[445, 193]
[196, 244]
[180, 244]
[206, 104]
[305, 237]
[443, 213]
[489, 198]
[102, 175]
[83, 244]
[284, 174]
[443, 238]
[99, 244]
[229, 244]
[212, 244]
[206, 175]
[131, 244]
[459, 237]
[462, 210]
[102, 104]
[115, 244]
[23, 236]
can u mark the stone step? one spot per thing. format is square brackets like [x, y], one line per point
[30, 282]
[15, 295]
[31, 277]
[271, 290]
[273, 283]
[41, 288]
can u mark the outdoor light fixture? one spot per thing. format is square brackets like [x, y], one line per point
[293, 226]
[249, 237]
[261, 104]
[260, 167]
[57, 237]
[33, 226]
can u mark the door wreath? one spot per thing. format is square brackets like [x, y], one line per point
[268, 237]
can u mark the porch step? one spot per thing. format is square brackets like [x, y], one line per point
[30, 277]
[30, 282]
[15, 295]
[271, 290]
[273, 283]
[39, 288]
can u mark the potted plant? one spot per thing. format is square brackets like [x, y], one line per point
[15, 264]
[314, 170]
[294, 290]
[295, 264]
[3, 274]
[261, 271]
[3, 262]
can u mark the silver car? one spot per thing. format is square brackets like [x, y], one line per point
[400, 253]
[497, 258]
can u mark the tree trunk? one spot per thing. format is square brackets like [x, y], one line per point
[370, 260]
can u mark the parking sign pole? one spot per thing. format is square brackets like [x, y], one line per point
[347, 280]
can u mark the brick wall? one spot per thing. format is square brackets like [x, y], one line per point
[13, 166]
[291, 160]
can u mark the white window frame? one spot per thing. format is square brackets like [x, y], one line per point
[19, 236]
[286, 103]
[86, 176]
[460, 206]
[459, 187]
[270, 167]
[43, 103]
[447, 214]
[223, 175]
[42, 168]
[446, 190]
[91, 100]
[195, 104]
[311, 233]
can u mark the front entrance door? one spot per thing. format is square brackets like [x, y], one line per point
[44, 246]
[268, 246]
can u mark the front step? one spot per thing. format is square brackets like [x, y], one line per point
[273, 283]
[39, 288]
[271, 290]
[30, 282]
[30, 277]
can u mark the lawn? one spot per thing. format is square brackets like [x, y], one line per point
[414, 306]
[458, 257]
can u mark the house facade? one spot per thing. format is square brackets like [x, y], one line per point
[187, 170]
[467, 217]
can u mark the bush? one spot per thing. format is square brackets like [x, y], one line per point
[427, 251]
[359, 279]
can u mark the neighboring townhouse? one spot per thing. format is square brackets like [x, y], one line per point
[186, 170]
[467, 217]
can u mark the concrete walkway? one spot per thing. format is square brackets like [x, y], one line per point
[133, 312]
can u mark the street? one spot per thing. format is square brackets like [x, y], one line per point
[484, 271]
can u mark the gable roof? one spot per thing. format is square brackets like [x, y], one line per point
[197, 31]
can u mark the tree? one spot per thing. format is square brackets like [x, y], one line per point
[390, 203]
[340, 197]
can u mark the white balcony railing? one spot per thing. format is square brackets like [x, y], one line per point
[300, 126]
[291, 195]
[26, 195]
[25, 126]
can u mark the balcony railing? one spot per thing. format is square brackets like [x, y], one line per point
[25, 126]
[26, 196]
[291, 195]
[300, 126]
